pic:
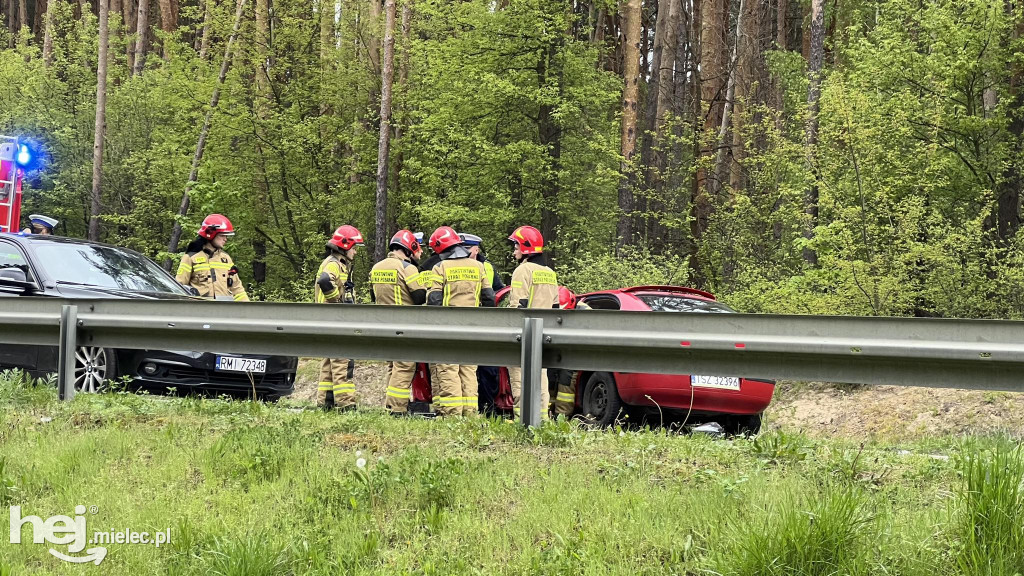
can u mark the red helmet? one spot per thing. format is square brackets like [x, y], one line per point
[346, 237]
[216, 224]
[404, 239]
[528, 239]
[566, 298]
[444, 238]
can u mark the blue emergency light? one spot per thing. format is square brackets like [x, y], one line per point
[24, 156]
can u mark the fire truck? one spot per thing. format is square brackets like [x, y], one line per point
[14, 157]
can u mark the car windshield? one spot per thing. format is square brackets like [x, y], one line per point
[672, 303]
[104, 267]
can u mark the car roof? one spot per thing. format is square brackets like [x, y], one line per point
[31, 239]
[658, 290]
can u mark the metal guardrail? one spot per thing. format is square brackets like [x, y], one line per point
[972, 354]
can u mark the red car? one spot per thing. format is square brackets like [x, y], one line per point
[735, 403]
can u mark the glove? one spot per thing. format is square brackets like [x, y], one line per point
[349, 286]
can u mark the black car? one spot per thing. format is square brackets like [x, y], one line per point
[49, 266]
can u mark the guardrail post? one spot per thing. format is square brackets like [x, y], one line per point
[66, 352]
[533, 340]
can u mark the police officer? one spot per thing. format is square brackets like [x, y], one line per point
[487, 377]
[567, 380]
[207, 267]
[41, 225]
[457, 280]
[395, 281]
[476, 251]
[534, 285]
[333, 286]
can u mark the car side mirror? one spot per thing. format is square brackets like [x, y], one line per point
[15, 280]
[192, 290]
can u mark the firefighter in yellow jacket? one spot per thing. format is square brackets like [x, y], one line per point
[534, 285]
[334, 286]
[396, 281]
[457, 280]
[207, 267]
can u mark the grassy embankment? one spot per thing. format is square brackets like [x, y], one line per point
[252, 489]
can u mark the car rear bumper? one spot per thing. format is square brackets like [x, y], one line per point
[674, 392]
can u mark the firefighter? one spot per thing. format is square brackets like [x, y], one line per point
[396, 281]
[567, 380]
[41, 225]
[457, 280]
[333, 286]
[534, 285]
[207, 267]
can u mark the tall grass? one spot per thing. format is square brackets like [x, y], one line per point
[989, 520]
[824, 537]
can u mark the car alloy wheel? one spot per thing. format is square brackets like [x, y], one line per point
[92, 368]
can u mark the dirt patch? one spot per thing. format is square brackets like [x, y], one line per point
[368, 376]
[893, 411]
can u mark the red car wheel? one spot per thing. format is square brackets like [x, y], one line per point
[601, 400]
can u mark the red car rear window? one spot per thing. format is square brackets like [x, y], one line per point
[672, 303]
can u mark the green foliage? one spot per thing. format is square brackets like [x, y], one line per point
[512, 116]
[252, 455]
[779, 446]
[590, 271]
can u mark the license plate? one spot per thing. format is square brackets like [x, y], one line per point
[723, 382]
[233, 364]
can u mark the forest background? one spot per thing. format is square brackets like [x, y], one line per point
[793, 156]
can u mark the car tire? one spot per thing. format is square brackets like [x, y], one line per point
[601, 403]
[95, 368]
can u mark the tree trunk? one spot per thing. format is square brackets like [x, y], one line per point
[700, 204]
[172, 245]
[25, 27]
[114, 10]
[387, 75]
[130, 13]
[141, 28]
[806, 33]
[747, 53]
[631, 17]
[101, 108]
[12, 23]
[204, 43]
[817, 53]
[262, 54]
[38, 9]
[403, 91]
[1008, 204]
[48, 33]
[722, 143]
[781, 24]
[168, 23]
[550, 135]
[261, 201]
[781, 35]
[372, 44]
[714, 51]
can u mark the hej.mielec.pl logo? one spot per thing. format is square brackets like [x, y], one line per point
[71, 532]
